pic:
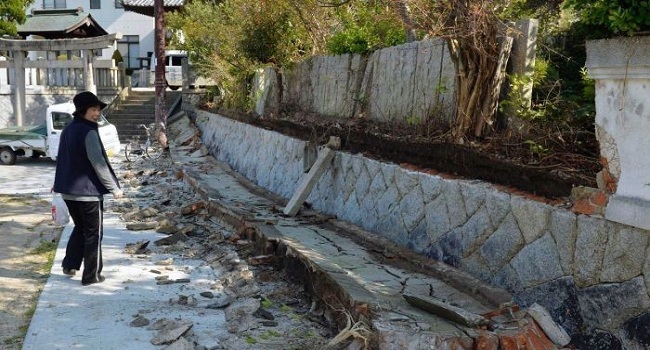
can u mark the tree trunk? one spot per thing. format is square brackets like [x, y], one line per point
[479, 47]
[402, 8]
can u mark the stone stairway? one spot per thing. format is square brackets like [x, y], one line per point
[137, 107]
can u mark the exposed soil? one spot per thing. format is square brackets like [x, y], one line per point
[28, 240]
[545, 163]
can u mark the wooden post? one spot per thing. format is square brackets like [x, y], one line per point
[308, 182]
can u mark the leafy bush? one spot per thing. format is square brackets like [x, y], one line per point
[365, 29]
[619, 16]
[117, 57]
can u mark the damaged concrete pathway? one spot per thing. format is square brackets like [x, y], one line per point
[378, 296]
[167, 292]
[355, 276]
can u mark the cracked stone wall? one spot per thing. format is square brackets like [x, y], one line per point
[589, 272]
[407, 83]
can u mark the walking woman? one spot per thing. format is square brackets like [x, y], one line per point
[83, 176]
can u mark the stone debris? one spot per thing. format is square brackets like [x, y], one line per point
[187, 300]
[167, 226]
[162, 201]
[173, 239]
[140, 214]
[555, 333]
[165, 262]
[221, 301]
[192, 208]
[181, 344]
[208, 295]
[268, 259]
[142, 226]
[446, 310]
[139, 321]
[139, 247]
[171, 331]
[262, 313]
[239, 315]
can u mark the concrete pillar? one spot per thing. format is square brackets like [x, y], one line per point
[522, 56]
[521, 63]
[3, 74]
[19, 86]
[185, 73]
[89, 74]
[620, 68]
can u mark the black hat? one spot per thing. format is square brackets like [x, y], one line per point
[84, 100]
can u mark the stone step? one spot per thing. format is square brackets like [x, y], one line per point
[138, 107]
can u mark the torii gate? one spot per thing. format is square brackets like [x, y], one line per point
[19, 48]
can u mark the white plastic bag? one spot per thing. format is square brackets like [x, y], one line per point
[60, 213]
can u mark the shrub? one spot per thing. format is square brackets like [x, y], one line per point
[619, 16]
[365, 29]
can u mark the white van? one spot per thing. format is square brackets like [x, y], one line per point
[60, 115]
[43, 140]
[173, 69]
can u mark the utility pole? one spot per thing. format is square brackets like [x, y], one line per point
[160, 81]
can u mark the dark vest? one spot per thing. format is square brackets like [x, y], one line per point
[75, 174]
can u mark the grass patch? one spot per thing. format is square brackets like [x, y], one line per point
[250, 340]
[270, 334]
[45, 251]
[265, 303]
[45, 247]
[15, 340]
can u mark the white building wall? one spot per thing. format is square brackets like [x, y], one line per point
[115, 20]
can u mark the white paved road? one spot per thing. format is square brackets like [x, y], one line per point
[27, 176]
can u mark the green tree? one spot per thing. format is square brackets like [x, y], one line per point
[366, 27]
[12, 13]
[228, 40]
[619, 16]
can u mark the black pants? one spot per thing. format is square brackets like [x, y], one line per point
[85, 242]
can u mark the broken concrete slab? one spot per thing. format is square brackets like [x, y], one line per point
[555, 332]
[180, 344]
[448, 311]
[308, 182]
[142, 226]
[171, 332]
[173, 239]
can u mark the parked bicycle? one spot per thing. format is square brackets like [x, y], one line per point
[150, 147]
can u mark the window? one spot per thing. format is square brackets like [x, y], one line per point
[129, 47]
[54, 4]
[60, 120]
[95, 4]
[176, 61]
[118, 4]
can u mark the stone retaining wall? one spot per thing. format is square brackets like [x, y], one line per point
[592, 274]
